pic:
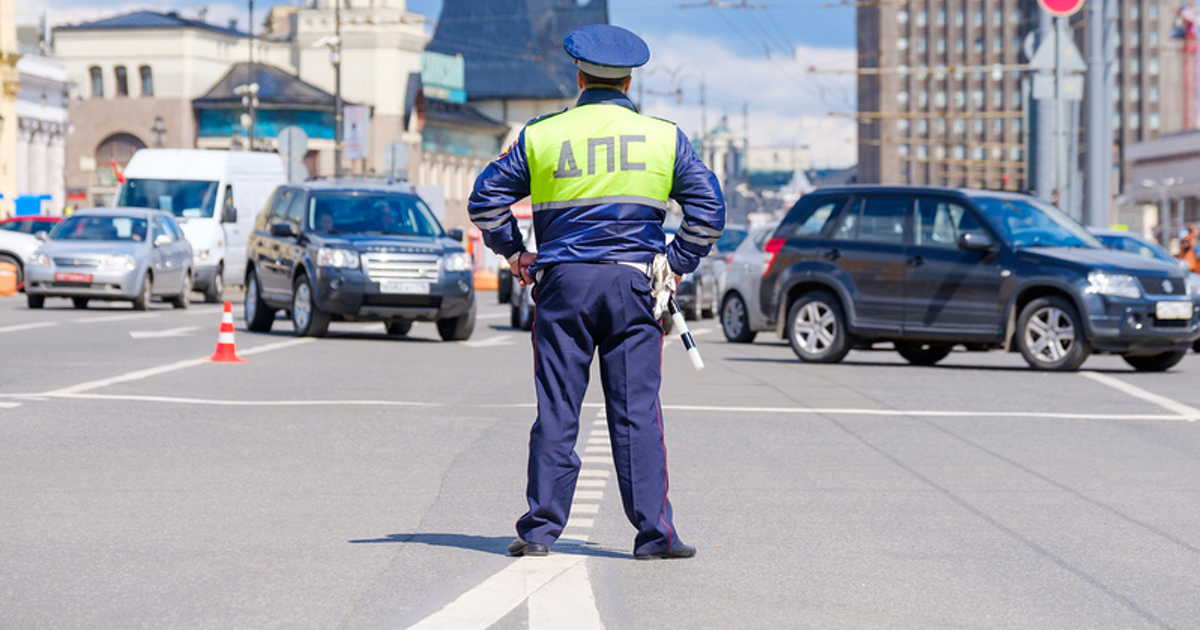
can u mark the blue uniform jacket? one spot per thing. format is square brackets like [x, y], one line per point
[608, 234]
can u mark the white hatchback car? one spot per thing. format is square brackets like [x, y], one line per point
[741, 276]
[16, 248]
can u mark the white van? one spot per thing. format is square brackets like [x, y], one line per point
[216, 196]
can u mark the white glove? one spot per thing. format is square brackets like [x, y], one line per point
[662, 284]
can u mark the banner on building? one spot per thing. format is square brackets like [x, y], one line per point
[356, 131]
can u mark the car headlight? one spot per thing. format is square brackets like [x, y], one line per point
[458, 262]
[337, 257]
[1114, 284]
[200, 256]
[119, 261]
[38, 260]
[1193, 283]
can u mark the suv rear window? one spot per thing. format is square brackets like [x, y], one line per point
[875, 219]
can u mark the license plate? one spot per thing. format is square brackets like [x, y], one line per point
[1173, 310]
[401, 286]
[67, 276]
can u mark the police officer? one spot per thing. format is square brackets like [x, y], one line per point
[600, 176]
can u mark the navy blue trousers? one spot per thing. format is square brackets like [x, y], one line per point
[584, 309]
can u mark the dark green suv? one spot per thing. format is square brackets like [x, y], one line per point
[357, 251]
[927, 268]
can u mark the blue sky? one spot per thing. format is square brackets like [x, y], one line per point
[752, 60]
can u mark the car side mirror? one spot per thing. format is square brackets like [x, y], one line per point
[975, 242]
[455, 233]
[229, 215]
[162, 239]
[282, 230]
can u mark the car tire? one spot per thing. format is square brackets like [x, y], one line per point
[504, 290]
[1196, 345]
[216, 288]
[922, 352]
[185, 290]
[398, 327]
[711, 309]
[735, 320]
[80, 302]
[308, 320]
[259, 316]
[816, 328]
[35, 301]
[522, 314]
[1050, 335]
[1160, 362]
[458, 328]
[4, 258]
[142, 301]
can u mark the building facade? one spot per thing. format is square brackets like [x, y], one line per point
[944, 93]
[9, 88]
[43, 126]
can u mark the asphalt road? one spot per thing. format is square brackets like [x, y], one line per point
[360, 481]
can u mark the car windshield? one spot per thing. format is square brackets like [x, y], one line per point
[182, 198]
[730, 239]
[371, 214]
[1031, 223]
[98, 228]
[1135, 246]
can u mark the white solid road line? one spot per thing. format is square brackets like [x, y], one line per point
[158, 334]
[115, 318]
[1185, 412]
[245, 403]
[163, 369]
[20, 327]
[9, 405]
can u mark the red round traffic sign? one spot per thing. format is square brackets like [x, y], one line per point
[1061, 8]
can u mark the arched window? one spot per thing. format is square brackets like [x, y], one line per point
[116, 149]
[147, 81]
[97, 81]
[122, 81]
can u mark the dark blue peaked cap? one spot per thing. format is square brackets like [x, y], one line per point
[606, 51]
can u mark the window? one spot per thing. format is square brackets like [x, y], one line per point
[122, 81]
[923, 126]
[1135, 120]
[1135, 92]
[1152, 11]
[978, 45]
[997, 99]
[1152, 66]
[1153, 93]
[997, 17]
[883, 219]
[1116, 120]
[922, 151]
[1152, 38]
[977, 98]
[97, 81]
[1016, 125]
[1135, 65]
[1134, 38]
[939, 98]
[922, 99]
[958, 18]
[941, 18]
[902, 97]
[959, 126]
[998, 126]
[960, 152]
[1134, 10]
[902, 150]
[960, 98]
[295, 211]
[1152, 120]
[816, 220]
[902, 16]
[959, 45]
[940, 223]
[922, 45]
[997, 44]
[922, 17]
[978, 18]
[1015, 153]
[978, 153]
[902, 43]
[147, 81]
[941, 45]
[977, 124]
[1016, 99]
[902, 125]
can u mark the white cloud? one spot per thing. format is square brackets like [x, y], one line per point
[787, 104]
[219, 14]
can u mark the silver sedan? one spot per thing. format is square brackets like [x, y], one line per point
[132, 254]
[740, 317]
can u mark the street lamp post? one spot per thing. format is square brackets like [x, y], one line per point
[335, 57]
[158, 133]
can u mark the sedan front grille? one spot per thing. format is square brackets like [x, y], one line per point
[1162, 286]
[380, 266]
[66, 261]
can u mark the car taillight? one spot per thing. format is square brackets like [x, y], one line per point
[771, 250]
[728, 258]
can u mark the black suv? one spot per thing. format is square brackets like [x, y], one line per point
[355, 251]
[927, 268]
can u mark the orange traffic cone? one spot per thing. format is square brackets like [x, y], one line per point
[226, 353]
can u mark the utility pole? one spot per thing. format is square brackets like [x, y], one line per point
[1044, 173]
[253, 101]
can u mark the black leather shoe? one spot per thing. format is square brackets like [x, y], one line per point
[677, 550]
[520, 548]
